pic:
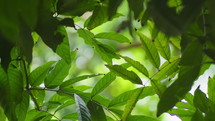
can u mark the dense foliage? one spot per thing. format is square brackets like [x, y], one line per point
[175, 40]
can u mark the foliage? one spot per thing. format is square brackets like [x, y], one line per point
[176, 37]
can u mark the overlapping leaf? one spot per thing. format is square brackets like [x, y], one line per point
[150, 50]
[96, 111]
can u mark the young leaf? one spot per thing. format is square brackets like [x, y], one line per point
[71, 81]
[190, 68]
[162, 45]
[81, 108]
[112, 36]
[211, 89]
[137, 65]
[38, 75]
[103, 83]
[57, 75]
[131, 104]
[96, 111]
[125, 74]
[150, 49]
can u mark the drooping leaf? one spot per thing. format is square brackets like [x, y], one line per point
[141, 118]
[131, 104]
[96, 111]
[136, 6]
[99, 17]
[137, 65]
[211, 89]
[190, 68]
[103, 83]
[162, 45]
[37, 76]
[57, 75]
[81, 108]
[125, 74]
[71, 81]
[150, 50]
[112, 36]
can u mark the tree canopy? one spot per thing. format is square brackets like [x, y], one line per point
[96, 60]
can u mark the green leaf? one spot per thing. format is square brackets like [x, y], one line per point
[131, 104]
[22, 108]
[57, 75]
[190, 68]
[162, 45]
[63, 49]
[74, 7]
[150, 50]
[211, 89]
[81, 108]
[103, 83]
[99, 17]
[141, 118]
[197, 116]
[124, 97]
[136, 6]
[96, 111]
[71, 81]
[112, 36]
[65, 104]
[137, 65]
[35, 115]
[112, 8]
[39, 95]
[37, 76]
[200, 101]
[72, 116]
[2, 115]
[166, 70]
[125, 74]
[87, 36]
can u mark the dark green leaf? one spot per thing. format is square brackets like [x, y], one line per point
[34, 115]
[38, 75]
[71, 81]
[200, 101]
[67, 22]
[210, 53]
[99, 17]
[125, 74]
[103, 83]
[145, 17]
[150, 49]
[75, 7]
[57, 75]
[137, 65]
[112, 8]
[112, 36]
[197, 116]
[131, 104]
[81, 108]
[96, 111]
[136, 6]
[190, 68]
